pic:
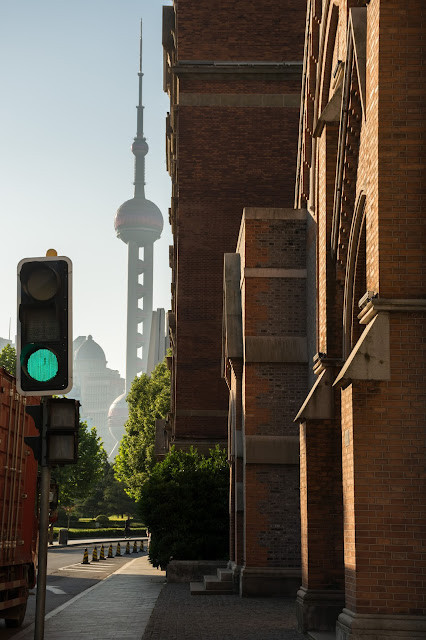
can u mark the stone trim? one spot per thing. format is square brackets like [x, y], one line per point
[266, 213]
[287, 100]
[370, 357]
[268, 272]
[275, 349]
[232, 336]
[225, 67]
[376, 305]
[319, 403]
[271, 450]
[201, 413]
[239, 496]
[356, 626]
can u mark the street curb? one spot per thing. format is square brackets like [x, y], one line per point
[88, 541]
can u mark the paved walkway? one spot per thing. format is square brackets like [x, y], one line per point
[118, 607]
[135, 603]
[179, 616]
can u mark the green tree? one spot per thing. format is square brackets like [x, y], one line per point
[107, 497]
[8, 359]
[76, 481]
[148, 399]
[184, 504]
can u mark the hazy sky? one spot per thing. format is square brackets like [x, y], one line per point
[69, 88]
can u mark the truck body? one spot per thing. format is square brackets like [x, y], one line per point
[18, 502]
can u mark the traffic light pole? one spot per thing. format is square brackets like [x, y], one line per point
[43, 536]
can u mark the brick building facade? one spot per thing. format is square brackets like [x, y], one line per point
[334, 277]
[361, 178]
[231, 143]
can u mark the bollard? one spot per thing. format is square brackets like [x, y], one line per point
[110, 551]
[128, 547]
[95, 555]
[135, 547]
[102, 553]
[85, 557]
[118, 550]
[141, 547]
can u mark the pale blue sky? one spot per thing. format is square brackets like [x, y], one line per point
[69, 89]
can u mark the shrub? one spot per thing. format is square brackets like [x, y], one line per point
[184, 504]
[103, 520]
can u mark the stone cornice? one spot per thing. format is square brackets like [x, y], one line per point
[223, 66]
[376, 305]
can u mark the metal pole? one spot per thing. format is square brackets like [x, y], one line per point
[42, 537]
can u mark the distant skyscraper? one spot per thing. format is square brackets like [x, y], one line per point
[138, 223]
[96, 386]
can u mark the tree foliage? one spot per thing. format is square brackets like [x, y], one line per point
[76, 481]
[107, 497]
[184, 504]
[148, 399]
[8, 359]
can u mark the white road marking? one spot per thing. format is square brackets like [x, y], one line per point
[56, 590]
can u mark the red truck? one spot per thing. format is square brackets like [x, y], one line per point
[18, 502]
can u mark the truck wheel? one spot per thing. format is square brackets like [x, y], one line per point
[15, 616]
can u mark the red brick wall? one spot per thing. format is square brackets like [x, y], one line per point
[402, 149]
[227, 158]
[383, 465]
[229, 30]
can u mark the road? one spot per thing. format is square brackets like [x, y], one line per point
[67, 577]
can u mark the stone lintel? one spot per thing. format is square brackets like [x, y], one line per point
[277, 100]
[356, 626]
[275, 349]
[319, 403]
[272, 450]
[370, 357]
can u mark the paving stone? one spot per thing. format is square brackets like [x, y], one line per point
[179, 616]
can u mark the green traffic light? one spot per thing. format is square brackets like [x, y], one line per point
[42, 365]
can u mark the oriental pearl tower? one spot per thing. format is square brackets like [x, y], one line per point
[138, 223]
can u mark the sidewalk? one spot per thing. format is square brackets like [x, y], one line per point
[179, 616]
[135, 603]
[117, 607]
[92, 541]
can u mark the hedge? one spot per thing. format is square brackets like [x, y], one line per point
[75, 534]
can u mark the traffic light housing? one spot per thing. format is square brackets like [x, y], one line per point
[63, 424]
[44, 332]
[58, 422]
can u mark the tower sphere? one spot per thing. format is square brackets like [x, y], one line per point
[137, 219]
[140, 146]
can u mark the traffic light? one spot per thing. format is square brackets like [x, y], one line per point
[44, 335]
[62, 431]
[58, 422]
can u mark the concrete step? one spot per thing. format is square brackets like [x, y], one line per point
[321, 635]
[225, 575]
[216, 584]
[199, 589]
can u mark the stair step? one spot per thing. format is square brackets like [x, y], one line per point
[199, 589]
[225, 575]
[216, 584]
